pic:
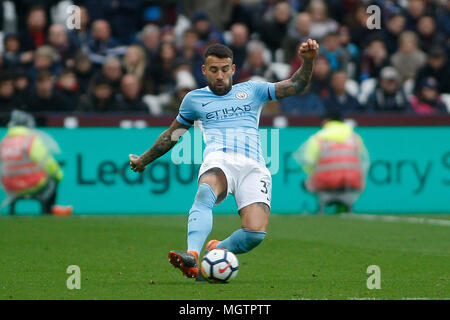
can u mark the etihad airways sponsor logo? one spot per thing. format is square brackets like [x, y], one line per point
[228, 112]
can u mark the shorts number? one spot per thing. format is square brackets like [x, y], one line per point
[265, 191]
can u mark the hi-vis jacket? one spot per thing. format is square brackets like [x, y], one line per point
[26, 164]
[334, 158]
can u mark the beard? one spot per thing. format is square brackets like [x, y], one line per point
[220, 90]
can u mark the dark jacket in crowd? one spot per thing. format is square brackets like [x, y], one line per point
[126, 104]
[345, 103]
[380, 101]
[55, 103]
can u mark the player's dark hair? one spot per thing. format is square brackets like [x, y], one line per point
[219, 50]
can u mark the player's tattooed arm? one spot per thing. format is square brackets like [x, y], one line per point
[164, 143]
[300, 79]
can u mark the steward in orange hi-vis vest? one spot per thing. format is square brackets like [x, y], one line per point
[335, 161]
[338, 166]
[27, 166]
[20, 173]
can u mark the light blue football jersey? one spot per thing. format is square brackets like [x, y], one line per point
[229, 122]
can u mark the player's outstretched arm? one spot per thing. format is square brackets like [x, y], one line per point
[164, 143]
[300, 79]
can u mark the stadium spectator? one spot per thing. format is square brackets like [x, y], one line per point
[22, 88]
[100, 97]
[12, 55]
[83, 70]
[279, 25]
[206, 30]
[45, 97]
[124, 16]
[409, 58]
[359, 32]
[22, 7]
[322, 24]
[320, 81]
[428, 34]
[414, 11]
[68, 86]
[298, 32]
[59, 41]
[256, 64]
[305, 103]
[28, 167]
[437, 67]
[218, 11]
[149, 38]
[112, 70]
[34, 34]
[101, 43]
[443, 17]
[339, 98]
[130, 97]
[45, 58]
[427, 100]
[395, 25]
[349, 56]
[160, 74]
[79, 37]
[275, 30]
[8, 99]
[190, 54]
[389, 95]
[168, 35]
[134, 61]
[238, 44]
[375, 57]
[335, 161]
[331, 49]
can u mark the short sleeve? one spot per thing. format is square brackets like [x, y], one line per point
[264, 90]
[186, 114]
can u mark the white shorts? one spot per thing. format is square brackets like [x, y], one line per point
[248, 180]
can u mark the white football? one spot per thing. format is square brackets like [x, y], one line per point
[219, 265]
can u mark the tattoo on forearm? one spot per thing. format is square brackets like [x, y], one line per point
[163, 144]
[297, 83]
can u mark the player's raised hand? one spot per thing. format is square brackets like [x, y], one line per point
[136, 164]
[308, 49]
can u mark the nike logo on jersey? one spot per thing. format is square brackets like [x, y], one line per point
[204, 104]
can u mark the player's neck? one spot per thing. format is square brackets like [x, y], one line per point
[227, 90]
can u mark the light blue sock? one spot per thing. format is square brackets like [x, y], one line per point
[200, 217]
[242, 241]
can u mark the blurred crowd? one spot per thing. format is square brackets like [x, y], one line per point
[143, 56]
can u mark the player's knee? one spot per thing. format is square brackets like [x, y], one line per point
[205, 196]
[252, 239]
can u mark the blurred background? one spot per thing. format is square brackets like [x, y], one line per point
[109, 87]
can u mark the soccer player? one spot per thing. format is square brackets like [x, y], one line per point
[233, 161]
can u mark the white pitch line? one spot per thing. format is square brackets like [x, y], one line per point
[384, 218]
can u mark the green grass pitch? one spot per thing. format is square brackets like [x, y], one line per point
[303, 257]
